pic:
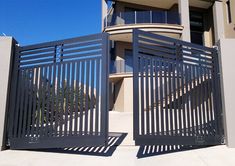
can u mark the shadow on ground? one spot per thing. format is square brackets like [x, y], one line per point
[114, 140]
[155, 150]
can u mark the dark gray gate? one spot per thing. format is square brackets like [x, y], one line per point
[59, 94]
[176, 92]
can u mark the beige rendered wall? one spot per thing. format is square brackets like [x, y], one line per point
[120, 49]
[229, 27]
[128, 94]
[5, 64]
[123, 88]
[227, 58]
[119, 95]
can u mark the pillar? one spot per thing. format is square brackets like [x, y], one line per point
[227, 49]
[218, 17]
[185, 19]
[6, 52]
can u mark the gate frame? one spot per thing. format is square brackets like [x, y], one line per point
[152, 140]
[14, 143]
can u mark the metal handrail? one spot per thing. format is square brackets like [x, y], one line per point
[121, 66]
[137, 17]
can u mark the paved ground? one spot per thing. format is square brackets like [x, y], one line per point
[124, 154]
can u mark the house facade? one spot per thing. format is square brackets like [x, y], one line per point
[202, 22]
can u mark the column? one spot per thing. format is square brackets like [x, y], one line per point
[5, 66]
[185, 20]
[218, 17]
[104, 10]
[226, 56]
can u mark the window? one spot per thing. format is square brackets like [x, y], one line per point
[128, 60]
[229, 11]
[197, 27]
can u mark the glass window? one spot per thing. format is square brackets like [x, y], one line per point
[128, 60]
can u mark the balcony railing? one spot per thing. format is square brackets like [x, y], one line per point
[138, 17]
[121, 66]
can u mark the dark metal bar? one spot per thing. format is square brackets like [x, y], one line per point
[152, 96]
[187, 100]
[38, 113]
[82, 98]
[170, 98]
[179, 97]
[97, 108]
[183, 100]
[157, 96]
[191, 99]
[72, 93]
[22, 96]
[48, 100]
[136, 69]
[105, 87]
[53, 102]
[29, 117]
[146, 88]
[161, 96]
[195, 99]
[175, 100]
[58, 91]
[142, 65]
[92, 102]
[67, 95]
[25, 101]
[87, 83]
[43, 110]
[34, 110]
[62, 96]
[198, 89]
[166, 98]
[77, 94]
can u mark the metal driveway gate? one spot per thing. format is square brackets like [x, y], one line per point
[59, 94]
[176, 92]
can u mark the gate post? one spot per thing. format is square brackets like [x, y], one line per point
[6, 52]
[226, 60]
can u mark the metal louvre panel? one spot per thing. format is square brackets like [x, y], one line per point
[57, 94]
[176, 92]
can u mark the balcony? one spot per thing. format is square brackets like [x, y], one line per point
[121, 66]
[142, 17]
[120, 69]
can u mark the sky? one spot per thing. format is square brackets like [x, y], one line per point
[37, 21]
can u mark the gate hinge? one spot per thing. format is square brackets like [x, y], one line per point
[215, 47]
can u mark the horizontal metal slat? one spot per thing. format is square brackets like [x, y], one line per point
[157, 48]
[81, 50]
[82, 55]
[60, 42]
[37, 51]
[36, 56]
[95, 42]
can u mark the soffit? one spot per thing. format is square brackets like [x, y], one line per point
[169, 3]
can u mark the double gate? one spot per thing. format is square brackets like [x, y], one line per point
[59, 94]
[177, 98]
